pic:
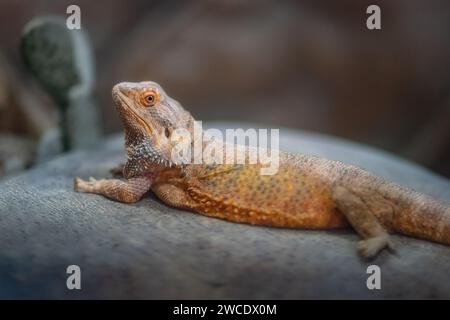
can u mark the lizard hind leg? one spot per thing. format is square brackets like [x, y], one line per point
[363, 221]
[172, 196]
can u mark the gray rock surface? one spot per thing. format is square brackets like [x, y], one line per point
[148, 250]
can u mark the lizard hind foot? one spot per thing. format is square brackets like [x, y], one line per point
[360, 216]
[370, 248]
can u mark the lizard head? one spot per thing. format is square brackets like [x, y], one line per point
[149, 117]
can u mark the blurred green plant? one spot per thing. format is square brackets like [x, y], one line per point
[61, 61]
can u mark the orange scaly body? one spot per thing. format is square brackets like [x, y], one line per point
[290, 198]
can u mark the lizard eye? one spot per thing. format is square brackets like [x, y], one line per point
[149, 99]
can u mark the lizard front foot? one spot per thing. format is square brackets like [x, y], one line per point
[81, 185]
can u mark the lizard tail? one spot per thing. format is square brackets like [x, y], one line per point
[422, 216]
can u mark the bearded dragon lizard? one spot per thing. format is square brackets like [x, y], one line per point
[306, 192]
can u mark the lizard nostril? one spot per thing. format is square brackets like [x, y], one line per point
[167, 133]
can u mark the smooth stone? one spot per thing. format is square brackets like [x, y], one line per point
[148, 250]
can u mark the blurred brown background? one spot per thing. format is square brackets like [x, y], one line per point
[302, 64]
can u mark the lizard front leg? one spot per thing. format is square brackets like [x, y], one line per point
[128, 191]
[363, 221]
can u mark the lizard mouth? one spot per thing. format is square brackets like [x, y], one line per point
[123, 102]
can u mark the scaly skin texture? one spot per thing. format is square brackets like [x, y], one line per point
[306, 192]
